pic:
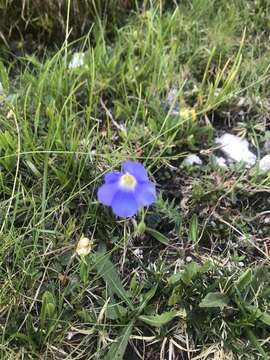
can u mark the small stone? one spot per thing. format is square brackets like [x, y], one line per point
[192, 159]
[172, 101]
[264, 164]
[188, 259]
[171, 96]
[267, 146]
[77, 60]
[241, 264]
[241, 113]
[138, 252]
[221, 162]
[236, 149]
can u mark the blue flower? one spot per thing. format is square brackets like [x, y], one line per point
[127, 191]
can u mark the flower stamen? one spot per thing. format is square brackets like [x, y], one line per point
[128, 181]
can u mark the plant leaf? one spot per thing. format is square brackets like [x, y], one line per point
[193, 229]
[117, 349]
[108, 272]
[265, 318]
[189, 273]
[260, 315]
[244, 280]
[158, 236]
[115, 311]
[146, 298]
[159, 320]
[47, 309]
[191, 270]
[215, 299]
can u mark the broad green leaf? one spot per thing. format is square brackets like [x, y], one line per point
[48, 304]
[189, 273]
[206, 267]
[133, 282]
[265, 318]
[87, 316]
[146, 298]
[260, 315]
[191, 270]
[108, 272]
[215, 299]
[50, 309]
[159, 320]
[175, 278]
[117, 349]
[244, 280]
[193, 229]
[175, 297]
[158, 236]
[115, 311]
[47, 309]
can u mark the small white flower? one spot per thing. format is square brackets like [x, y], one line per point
[84, 246]
[77, 60]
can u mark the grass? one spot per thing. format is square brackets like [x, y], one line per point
[189, 278]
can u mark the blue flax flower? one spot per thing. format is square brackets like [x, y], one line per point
[127, 191]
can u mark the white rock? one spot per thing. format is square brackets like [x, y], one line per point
[192, 159]
[171, 96]
[188, 259]
[264, 164]
[77, 60]
[267, 145]
[172, 101]
[221, 162]
[236, 149]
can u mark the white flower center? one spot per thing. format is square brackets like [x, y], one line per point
[128, 181]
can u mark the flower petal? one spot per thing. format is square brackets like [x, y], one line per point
[124, 204]
[112, 177]
[145, 193]
[106, 193]
[136, 169]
